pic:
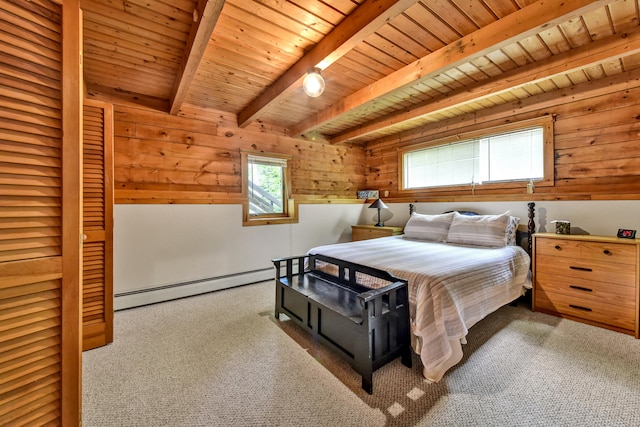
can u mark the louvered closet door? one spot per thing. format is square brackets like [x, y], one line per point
[97, 260]
[39, 357]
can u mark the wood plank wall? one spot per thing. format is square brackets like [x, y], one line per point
[160, 158]
[597, 145]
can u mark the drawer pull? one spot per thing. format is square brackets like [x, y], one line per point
[577, 307]
[580, 288]
[607, 252]
[557, 247]
[580, 268]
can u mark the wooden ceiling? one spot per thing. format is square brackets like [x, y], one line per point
[390, 66]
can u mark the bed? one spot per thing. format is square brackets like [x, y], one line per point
[459, 269]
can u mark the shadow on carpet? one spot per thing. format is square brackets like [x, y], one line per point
[401, 393]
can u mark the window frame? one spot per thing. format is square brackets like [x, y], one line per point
[548, 179]
[289, 214]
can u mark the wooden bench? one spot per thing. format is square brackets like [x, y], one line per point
[369, 326]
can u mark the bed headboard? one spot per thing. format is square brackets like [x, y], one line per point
[531, 226]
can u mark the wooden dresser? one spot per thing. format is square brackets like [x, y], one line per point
[590, 279]
[364, 232]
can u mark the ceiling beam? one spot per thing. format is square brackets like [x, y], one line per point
[612, 47]
[122, 97]
[205, 16]
[364, 21]
[523, 23]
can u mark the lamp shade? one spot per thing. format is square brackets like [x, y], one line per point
[378, 204]
[313, 83]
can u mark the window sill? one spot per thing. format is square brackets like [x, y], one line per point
[269, 221]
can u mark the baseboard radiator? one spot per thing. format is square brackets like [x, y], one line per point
[157, 294]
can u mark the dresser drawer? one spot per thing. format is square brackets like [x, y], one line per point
[613, 315]
[368, 233]
[621, 274]
[619, 253]
[364, 232]
[588, 290]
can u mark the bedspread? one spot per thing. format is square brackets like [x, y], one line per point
[451, 288]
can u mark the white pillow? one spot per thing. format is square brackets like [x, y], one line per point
[428, 227]
[479, 230]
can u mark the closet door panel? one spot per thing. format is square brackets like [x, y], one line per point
[39, 125]
[97, 255]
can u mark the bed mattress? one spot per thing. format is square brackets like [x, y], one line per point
[451, 288]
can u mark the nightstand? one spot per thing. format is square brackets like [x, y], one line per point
[364, 232]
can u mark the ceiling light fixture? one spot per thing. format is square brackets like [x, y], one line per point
[313, 83]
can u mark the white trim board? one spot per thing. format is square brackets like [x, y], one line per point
[147, 296]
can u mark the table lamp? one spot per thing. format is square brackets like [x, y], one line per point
[378, 204]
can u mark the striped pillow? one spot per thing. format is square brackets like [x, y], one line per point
[479, 230]
[428, 227]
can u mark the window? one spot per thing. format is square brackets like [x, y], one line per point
[514, 153]
[266, 182]
[265, 185]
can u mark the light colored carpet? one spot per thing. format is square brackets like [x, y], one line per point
[221, 359]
